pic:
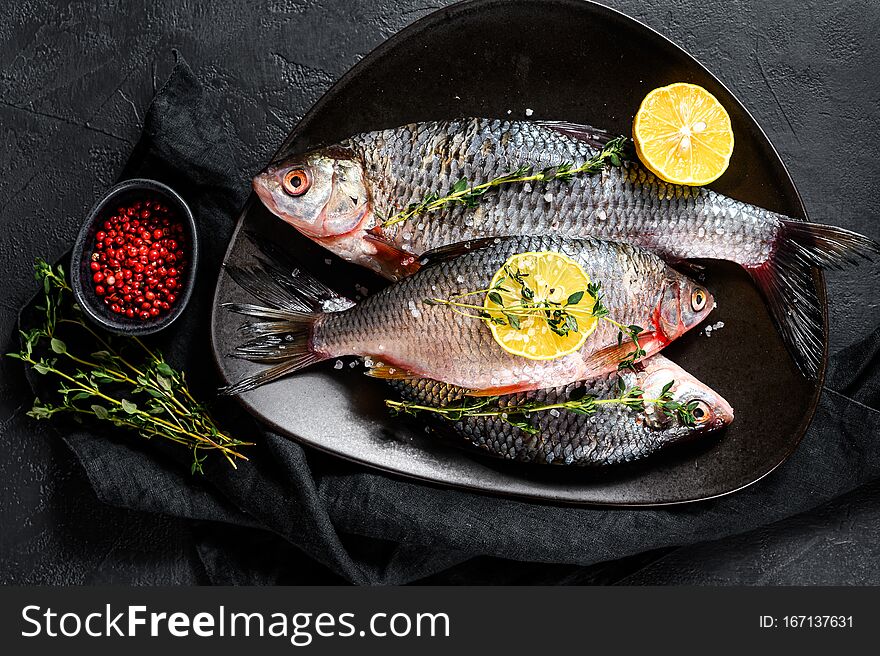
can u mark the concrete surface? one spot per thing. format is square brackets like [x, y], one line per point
[76, 78]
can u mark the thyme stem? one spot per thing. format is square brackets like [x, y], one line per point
[632, 397]
[149, 397]
[470, 195]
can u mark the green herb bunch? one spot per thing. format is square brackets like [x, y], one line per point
[128, 386]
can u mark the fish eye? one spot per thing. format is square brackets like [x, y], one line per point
[296, 182]
[699, 297]
[701, 412]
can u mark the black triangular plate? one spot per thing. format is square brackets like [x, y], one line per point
[568, 60]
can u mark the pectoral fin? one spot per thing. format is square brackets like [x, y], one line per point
[402, 263]
[587, 133]
[387, 372]
[608, 359]
[500, 391]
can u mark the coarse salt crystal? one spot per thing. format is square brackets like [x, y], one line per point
[338, 364]
[529, 112]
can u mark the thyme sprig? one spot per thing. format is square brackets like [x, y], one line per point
[631, 332]
[144, 394]
[470, 195]
[518, 414]
[561, 316]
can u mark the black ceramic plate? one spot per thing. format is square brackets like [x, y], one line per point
[564, 60]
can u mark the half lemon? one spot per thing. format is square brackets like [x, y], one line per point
[683, 135]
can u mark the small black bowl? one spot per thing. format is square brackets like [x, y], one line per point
[81, 276]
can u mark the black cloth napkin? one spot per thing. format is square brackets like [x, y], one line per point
[258, 524]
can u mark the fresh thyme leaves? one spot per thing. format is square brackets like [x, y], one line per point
[594, 289]
[518, 414]
[142, 393]
[470, 195]
[632, 332]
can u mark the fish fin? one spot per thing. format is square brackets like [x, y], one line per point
[272, 314]
[268, 375]
[284, 343]
[452, 251]
[827, 247]
[786, 280]
[594, 137]
[280, 281]
[387, 372]
[687, 267]
[282, 334]
[405, 263]
[609, 358]
[500, 391]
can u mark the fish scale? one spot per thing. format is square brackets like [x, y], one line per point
[613, 435]
[365, 181]
[397, 328]
[295, 329]
[627, 195]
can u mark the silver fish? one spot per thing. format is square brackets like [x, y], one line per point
[340, 195]
[614, 434]
[406, 338]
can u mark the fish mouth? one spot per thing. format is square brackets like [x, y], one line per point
[261, 186]
[725, 413]
[722, 415]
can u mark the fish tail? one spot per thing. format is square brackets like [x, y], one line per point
[786, 279]
[279, 332]
[287, 347]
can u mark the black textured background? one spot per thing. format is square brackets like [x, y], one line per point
[75, 79]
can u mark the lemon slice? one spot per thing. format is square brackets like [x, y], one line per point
[682, 134]
[523, 292]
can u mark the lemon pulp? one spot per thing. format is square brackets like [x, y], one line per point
[535, 279]
[683, 134]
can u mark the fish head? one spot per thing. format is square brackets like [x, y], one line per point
[684, 304]
[710, 411]
[322, 194]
